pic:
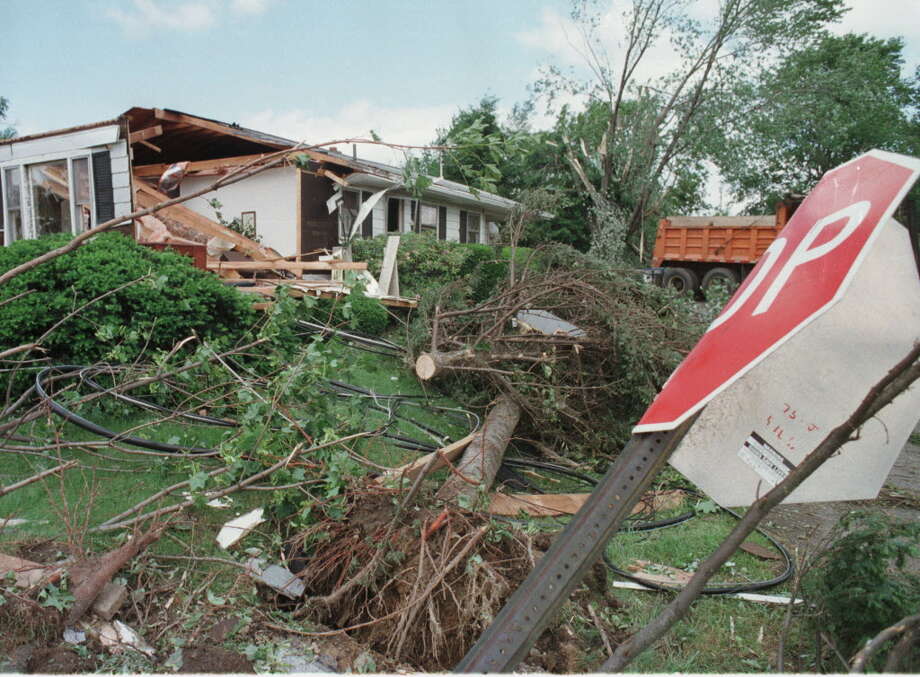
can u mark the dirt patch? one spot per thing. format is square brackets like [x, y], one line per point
[44, 551]
[209, 658]
[25, 623]
[58, 660]
[803, 525]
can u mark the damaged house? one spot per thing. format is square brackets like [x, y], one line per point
[69, 180]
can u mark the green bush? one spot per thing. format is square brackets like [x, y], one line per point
[175, 300]
[859, 586]
[357, 311]
[423, 260]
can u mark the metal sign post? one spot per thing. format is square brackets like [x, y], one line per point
[806, 272]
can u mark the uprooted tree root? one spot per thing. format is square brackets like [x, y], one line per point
[442, 578]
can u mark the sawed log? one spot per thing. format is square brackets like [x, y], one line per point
[476, 470]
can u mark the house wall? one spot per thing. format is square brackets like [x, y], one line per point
[453, 217]
[272, 195]
[70, 146]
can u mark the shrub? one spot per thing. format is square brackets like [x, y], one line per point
[176, 300]
[860, 585]
[423, 261]
[361, 313]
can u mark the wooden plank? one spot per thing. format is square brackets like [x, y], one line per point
[147, 196]
[155, 170]
[293, 266]
[332, 175]
[145, 134]
[26, 573]
[151, 146]
[554, 505]
[444, 456]
[389, 275]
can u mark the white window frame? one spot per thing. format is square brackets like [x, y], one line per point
[428, 228]
[479, 220]
[25, 187]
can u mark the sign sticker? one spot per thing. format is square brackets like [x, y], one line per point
[766, 461]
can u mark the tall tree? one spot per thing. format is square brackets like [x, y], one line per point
[816, 109]
[653, 130]
[5, 132]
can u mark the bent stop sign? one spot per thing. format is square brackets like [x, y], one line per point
[830, 307]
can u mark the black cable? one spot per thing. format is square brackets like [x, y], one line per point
[86, 377]
[659, 524]
[97, 429]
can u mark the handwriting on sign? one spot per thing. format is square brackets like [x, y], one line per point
[787, 426]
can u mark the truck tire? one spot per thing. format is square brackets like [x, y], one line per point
[726, 276]
[680, 280]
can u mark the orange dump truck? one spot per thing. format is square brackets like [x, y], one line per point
[694, 252]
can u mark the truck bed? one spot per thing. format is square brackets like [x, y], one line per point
[713, 239]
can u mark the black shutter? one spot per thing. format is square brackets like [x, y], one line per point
[442, 223]
[462, 226]
[413, 212]
[367, 226]
[102, 187]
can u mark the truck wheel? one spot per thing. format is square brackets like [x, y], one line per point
[724, 276]
[680, 280]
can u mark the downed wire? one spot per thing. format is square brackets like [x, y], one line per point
[86, 424]
[357, 339]
[659, 524]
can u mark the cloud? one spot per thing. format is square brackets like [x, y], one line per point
[142, 18]
[249, 6]
[886, 19]
[403, 125]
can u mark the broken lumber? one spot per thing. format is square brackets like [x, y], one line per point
[147, 196]
[293, 266]
[483, 456]
[443, 456]
[554, 505]
[104, 568]
[27, 574]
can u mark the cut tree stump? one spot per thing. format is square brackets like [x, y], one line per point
[430, 365]
[476, 470]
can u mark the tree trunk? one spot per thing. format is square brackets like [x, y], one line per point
[429, 365]
[476, 470]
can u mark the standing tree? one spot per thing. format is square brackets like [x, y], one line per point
[816, 109]
[8, 132]
[654, 130]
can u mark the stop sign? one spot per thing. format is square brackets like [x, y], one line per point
[802, 274]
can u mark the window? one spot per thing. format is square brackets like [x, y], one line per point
[50, 190]
[393, 214]
[470, 227]
[428, 219]
[13, 201]
[83, 194]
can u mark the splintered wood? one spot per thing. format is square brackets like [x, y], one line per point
[554, 505]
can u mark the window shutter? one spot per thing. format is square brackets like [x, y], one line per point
[442, 223]
[102, 187]
[414, 214]
[367, 226]
[462, 226]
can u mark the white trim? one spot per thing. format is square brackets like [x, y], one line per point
[905, 161]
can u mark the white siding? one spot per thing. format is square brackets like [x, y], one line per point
[380, 216]
[272, 195]
[70, 146]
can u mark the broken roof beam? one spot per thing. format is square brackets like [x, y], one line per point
[156, 170]
[145, 134]
[293, 266]
[182, 118]
[147, 196]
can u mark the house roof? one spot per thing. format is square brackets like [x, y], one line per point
[58, 132]
[190, 137]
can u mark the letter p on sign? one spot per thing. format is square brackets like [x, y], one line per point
[803, 273]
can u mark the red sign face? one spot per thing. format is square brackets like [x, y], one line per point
[805, 270]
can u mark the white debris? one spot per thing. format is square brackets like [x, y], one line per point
[116, 637]
[235, 529]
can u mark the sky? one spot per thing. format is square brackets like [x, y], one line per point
[311, 70]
